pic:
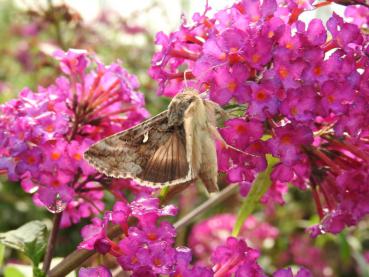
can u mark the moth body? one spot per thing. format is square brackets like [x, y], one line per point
[175, 147]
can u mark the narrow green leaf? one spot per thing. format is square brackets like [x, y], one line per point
[29, 238]
[2, 254]
[258, 189]
[345, 250]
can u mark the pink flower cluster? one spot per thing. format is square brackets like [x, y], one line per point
[45, 133]
[146, 247]
[305, 90]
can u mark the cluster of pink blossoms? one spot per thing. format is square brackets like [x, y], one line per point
[146, 247]
[305, 90]
[45, 133]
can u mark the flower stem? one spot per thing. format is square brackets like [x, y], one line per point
[51, 242]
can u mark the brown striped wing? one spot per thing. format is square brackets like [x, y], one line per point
[150, 153]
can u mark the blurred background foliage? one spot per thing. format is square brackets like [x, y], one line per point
[32, 30]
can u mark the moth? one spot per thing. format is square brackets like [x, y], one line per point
[175, 147]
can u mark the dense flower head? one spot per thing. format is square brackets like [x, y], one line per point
[305, 90]
[45, 133]
[147, 247]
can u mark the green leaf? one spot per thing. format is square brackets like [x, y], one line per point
[345, 250]
[29, 238]
[2, 254]
[13, 271]
[258, 189]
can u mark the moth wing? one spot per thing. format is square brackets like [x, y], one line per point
[149, 153]
[169, 163]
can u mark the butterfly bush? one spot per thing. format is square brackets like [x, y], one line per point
[45, 133]
[146, 246]
[305, 89]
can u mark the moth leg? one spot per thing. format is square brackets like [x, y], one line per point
[216, 135]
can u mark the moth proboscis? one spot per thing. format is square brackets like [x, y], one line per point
[174, 147]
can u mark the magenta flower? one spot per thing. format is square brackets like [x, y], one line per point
[288, 141]
[92, 233]
[236, 257]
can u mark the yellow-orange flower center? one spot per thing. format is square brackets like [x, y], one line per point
[55, 183]
[331, 99]
[255, 18]
[55, 156]
[232, 86]
[261, 95]
[286, 139]
[240, 128]
[294, 110]
[31, 160]
[134, 260]
[289, 45]
[152, 236]
[318, 70]
[222, 56]
[255, 58]
[157, 262]
[283, 72]
[77, 156]
[49, 128]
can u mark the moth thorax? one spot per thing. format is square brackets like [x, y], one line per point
[179, 105]
[176, 111]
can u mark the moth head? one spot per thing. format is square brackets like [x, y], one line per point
[179, 105]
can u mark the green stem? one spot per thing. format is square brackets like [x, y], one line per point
[258, 189]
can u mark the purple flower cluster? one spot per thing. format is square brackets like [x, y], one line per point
[305, 89]
[146, 248]
[45, 133]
